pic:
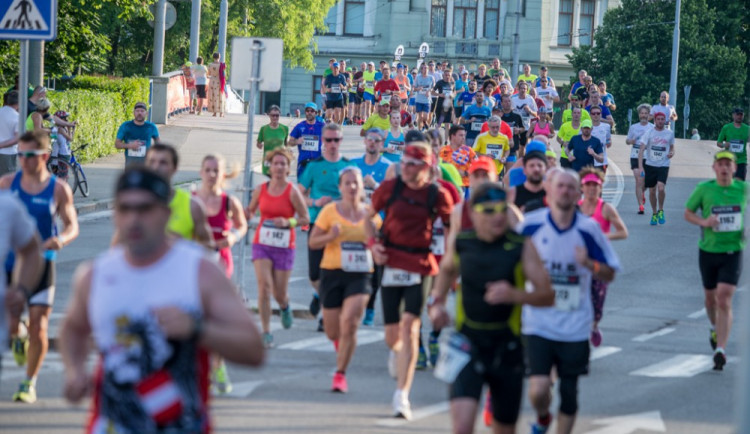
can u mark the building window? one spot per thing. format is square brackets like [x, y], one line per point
[438, 47]
[465, 48]
[565, 23]
[316, 96]
[465, 19]
[438, 17]
[354, 17]
[493, 50]
[491, 19]
[586, 32]
[416, 5]
[331, 20]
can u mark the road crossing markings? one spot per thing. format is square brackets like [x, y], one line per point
[614, 195]
[601, 352]
[323, 344]
[416, 415]
[679, 366]
[648, 336]
[627, 424]
[698, 314]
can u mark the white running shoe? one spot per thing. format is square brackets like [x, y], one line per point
[401, 405]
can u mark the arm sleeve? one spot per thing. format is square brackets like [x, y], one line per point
[155, 132]
[121, 131]
[444, 206]
[306, 178]
[260, 134]
[722, 135]
[380, 196]
[295, 132]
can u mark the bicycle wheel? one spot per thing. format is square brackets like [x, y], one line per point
[62, 169]
[81, 181]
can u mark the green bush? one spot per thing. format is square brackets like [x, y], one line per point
[131, 90]
[99, 115]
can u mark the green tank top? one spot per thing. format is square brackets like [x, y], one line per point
[481, 262]
[369, 78]
[181, 220]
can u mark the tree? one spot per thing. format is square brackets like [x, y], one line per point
[633, 55]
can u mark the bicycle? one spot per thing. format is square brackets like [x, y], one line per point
[75, 178]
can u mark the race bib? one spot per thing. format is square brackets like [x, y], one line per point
[140, 152]
[437, 246]
[658, 153]
[335, 88]
[310, 143]
[730, 218]
[495, 151]
[476, 126]
[397, 277]
[425, 92]
[355, 257]
[567, 292]
[736, 146]
[369, 84]
[455, 354]
[636, 148]
[386, 98]
[397, 146]
[272, 236]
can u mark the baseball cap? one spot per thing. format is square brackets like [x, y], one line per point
[483, 163]
[371, 63]
[62, 114]
[188, 64]
[348, 68]
[414, 136]
[400, 66]
[535, 149]
[311, 105]
[725, 154]
[384, 102]
[586, 123]
[464, 72]
[141, 105]
[738, 110]
[543, 68]
[591, 177]
[550, 153]
[658, 114]
[536, 145]
[335, 65]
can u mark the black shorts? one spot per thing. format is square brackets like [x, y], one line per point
[336, 285]
[44, 293]
[334, 104]
[200, 90]
[633, 163]
[500, 365]
[458, 111]
[522, 139]
[570, 358]
[719, 268]
[413, 298]
[355, 98]
[565, 163]
[654, 175]
[741, 172]
[443, 115]
[314, 256]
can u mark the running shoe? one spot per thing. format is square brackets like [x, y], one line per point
[537, 428]
[720, 359]
[267, 340]
[369, 317]
[220, 380]
[712, 340]
[641, 210]
[320, 325]
[434, 348]
[315, 305]
[596, 338]
[422, 359]
[26, 393]
[654, 220]
[660, 216]
[392, 364]
[487, 412]
[286, 317]
[401, 406]
[20, 348]
[339, 383]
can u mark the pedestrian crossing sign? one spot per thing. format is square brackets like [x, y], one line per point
[28, 19]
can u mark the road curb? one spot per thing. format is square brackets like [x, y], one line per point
[100, 205]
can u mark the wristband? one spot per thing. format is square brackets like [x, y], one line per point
[597, 267]
[292, 222]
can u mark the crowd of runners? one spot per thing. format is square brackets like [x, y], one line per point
[464, 187]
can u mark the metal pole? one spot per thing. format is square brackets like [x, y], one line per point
[516, 44]
[160, 14]
[223, 30]
[23, 86]
[743, 385]
[247, 181]
[36, 63]
[195, 30]
[675, 56]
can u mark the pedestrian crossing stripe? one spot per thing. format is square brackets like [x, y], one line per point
[23, 15]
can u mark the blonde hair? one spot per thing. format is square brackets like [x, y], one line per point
[279, 151]
[221, 161]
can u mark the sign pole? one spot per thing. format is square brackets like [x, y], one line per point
[247, 181]
[23, 85]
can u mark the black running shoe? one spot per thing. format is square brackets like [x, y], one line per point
[320, 325]
[315, 306]
[720, 359]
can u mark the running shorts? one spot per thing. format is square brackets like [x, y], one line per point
[633, 163]
[369, 97]
[200, 91]
[411, 298]
[281, 258]
[336, 285]
[44, 293]
[314, 257]
[334, 104]
[355, 98]
[655, 175]
[719, 268]
[422, 107]
[570, 358]
[741, 172]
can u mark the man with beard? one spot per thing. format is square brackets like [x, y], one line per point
[135, 136]
[534, 168]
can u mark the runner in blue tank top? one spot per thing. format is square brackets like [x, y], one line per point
[44, 197]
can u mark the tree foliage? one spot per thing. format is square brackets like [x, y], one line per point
[633, 54]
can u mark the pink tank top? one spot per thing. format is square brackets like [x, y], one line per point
[541, 131]
[598, 216]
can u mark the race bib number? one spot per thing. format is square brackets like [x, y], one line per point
[140, 152]
[272, 236]
[437, 246]
[567, 292]
[401, 88]
[369, 84]
[495, 151]
[397, 146]
[386, 98]
[425, 92]
[455, 354]
[397, 277]
[335, 88]
[355, 257]
[310, 143]
[658, 153]
[447, 93]
[476, 126]
[730, 218]
[736, 146]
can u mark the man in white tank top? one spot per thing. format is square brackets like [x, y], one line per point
[155, 308]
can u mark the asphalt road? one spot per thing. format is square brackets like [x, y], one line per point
[651, 374]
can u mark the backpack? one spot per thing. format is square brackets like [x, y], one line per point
[432, 195]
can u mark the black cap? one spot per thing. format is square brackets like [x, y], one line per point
[738, 110]
[414, 136]
[142, 178]
[535, 154]
[140, 105]
[543, 68]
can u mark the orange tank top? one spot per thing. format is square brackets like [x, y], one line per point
[275, 206]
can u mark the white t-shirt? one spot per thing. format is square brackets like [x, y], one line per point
[666, 109]
[603, 132]
[547, 95]
[569, 320]
[8, 128]
[200, 71]
[15, 232]
[518, 108]
[635, 132]
[658, 144]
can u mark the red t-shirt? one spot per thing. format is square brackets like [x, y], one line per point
[410, 225]
[405, 118]
[504, 129]
[386, 85]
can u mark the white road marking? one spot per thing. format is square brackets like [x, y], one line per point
[323, 344]
[614, 195]
[698, 314]
[243, 390]
[681, 365]
[646, 421]
[601, 352]
[648, 336]
[421, 413]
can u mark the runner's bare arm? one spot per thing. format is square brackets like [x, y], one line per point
[611, 214]
[74, 336]
[202, 231]
[298, 202]
[390, 173]
[694, 218]
[67, 213]
[252, 207]
[239, 223]
[599, 270]
[533, 269]
[26, 274]
[228, 328]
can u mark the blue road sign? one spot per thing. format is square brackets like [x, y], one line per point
[28, 19]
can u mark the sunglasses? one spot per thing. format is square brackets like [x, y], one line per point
[410, 162]
[275, 116]
[137, 208]
[490, 209]
[31, 154]
[375, 139]
[332, 139]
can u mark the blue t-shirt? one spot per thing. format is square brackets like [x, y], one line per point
[378, 76]
[377, 170]
[336, 85]
[321, 178]
[580, 149]
[129, 132]
[607, 97]
[605, 110]
[460, 87]
[474, 111]
[311, 147]
[467, 97]
[395, 142]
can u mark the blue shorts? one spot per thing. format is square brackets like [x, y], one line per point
[423, 108]
[369, 96]
[412, 101]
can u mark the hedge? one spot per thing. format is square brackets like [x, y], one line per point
[99, 115]
[131, 90]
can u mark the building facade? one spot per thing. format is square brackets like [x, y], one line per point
[471, 32]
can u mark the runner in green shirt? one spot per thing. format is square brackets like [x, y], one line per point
[722, 204]
[272, 136]
[734, 137]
